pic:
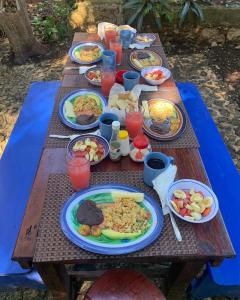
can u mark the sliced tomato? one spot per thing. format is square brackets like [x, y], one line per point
[91, 75]
[80, 153]
[183, 212]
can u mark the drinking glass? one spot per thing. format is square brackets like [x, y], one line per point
[78, 169]
[109, 59]
[110, 34]
[107, 80]
[134, 123]
[117, 47]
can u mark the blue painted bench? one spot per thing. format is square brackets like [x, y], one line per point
[18, 167]
[225, 180]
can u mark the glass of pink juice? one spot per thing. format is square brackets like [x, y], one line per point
[78, 169]
[107, 81]
[110, 35]
[134, 123]
[117, 47]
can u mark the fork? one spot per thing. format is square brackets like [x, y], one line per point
[70, 137]
[82, 69]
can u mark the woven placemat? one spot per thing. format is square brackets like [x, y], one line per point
[187, 140]
[52, 245]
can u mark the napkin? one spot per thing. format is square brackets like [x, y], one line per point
[139, 46]
[161, 184]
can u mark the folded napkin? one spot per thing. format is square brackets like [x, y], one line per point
[139, 46]
[147, 88]
[161, 184]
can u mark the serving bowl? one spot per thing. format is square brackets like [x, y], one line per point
[165, 71]
[188, 184]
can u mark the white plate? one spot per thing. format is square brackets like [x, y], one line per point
[187, 184]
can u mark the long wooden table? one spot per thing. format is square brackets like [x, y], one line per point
[213, 243]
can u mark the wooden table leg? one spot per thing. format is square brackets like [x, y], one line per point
[56, 279]
[180, 277]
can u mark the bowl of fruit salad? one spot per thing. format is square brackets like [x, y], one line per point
[192, 201]
[155, 75]
[93, 76]
[93, 147]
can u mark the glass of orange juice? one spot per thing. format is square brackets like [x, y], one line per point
[78, 169]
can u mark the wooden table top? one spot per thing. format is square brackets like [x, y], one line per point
[212, 238]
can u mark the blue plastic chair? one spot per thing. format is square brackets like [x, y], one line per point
[225, 180]
[18, 167]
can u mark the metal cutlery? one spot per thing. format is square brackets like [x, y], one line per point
[166, 210]
[82, 69]
[160, 185]
[72, 136]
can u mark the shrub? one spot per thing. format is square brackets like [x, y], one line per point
[51, 23]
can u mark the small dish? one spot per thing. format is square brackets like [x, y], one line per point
[159, 72]
[102, 149]
[188, 184]
[145, 38]
[93, 76]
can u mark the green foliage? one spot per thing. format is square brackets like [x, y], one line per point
[194, 7]
[162, 10]
[159, 9]
[51, 23]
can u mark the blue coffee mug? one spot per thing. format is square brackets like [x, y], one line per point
[126, 36]
[109, 59]
[150, 172]
[105, 124]
[130, 79]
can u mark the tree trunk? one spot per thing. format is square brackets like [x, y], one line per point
[17, 28]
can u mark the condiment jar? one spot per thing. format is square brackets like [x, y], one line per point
[123, 138]
[139, 148]
[115, 151]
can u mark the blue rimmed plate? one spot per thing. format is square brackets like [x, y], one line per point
[66, 108]
[102, 194]
[102, 149]
[86, 53]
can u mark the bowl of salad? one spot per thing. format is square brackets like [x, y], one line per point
[155, 75]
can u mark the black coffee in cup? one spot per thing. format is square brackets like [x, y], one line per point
[107, 121]
[156, 163]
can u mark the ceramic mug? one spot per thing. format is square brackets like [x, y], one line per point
[109, 59]
[130, 79]
[151, 172]
[126, 36]
[105, 124]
